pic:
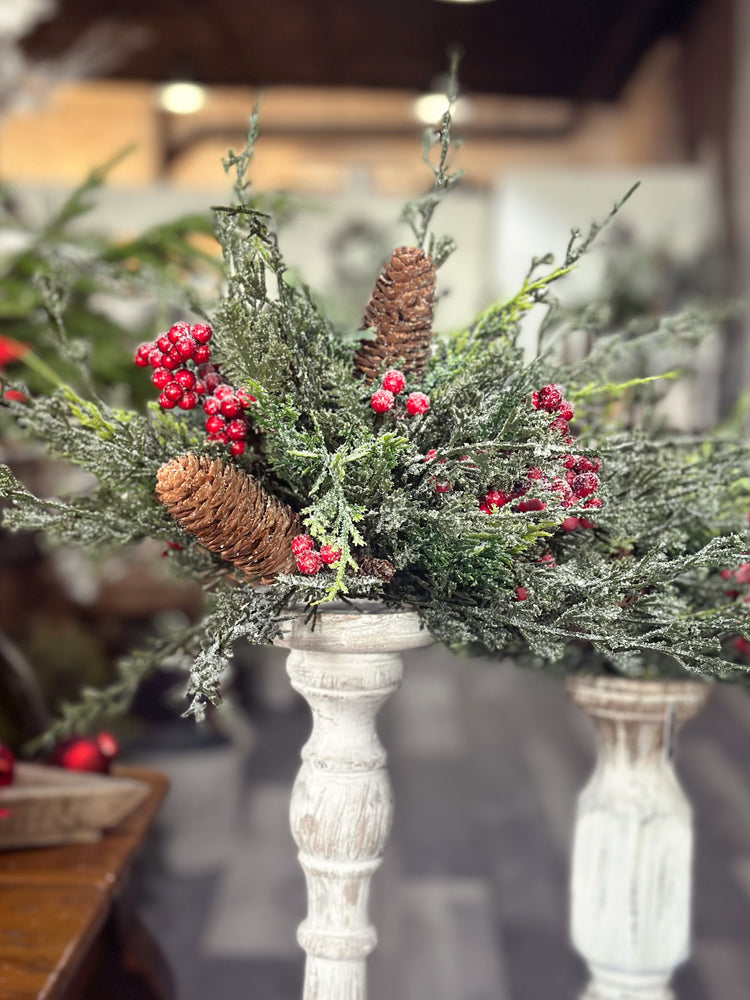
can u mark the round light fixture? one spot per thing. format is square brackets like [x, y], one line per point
[182, 97]
[430, 108]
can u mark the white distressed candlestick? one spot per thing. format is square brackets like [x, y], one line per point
[631, 874]
[342, 804]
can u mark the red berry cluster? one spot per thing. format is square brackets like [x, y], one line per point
[551, 399]
[576, 486]
[392, 384]
[185, 387]
[310, 560]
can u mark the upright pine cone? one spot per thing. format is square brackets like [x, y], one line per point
[231, 514]
[379, 568]
[400, 310]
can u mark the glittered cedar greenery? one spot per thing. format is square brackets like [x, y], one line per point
[287, 468]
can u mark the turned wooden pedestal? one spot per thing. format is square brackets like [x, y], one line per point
[342, 805]
[632, 855]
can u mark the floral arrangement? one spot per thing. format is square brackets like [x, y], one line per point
[287, 465]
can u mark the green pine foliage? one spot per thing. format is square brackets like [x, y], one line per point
[626, 576]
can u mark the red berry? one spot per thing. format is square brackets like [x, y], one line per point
[167, 361]
[218, 438]
[566, 410]
[141, 355]
[534, 504]
[206, 369]
[382, 400]
[211, 406]
[178, 331]
[188, 400]
[442, 487]
[173, 391]
[725, 574]
[106, 741]
[594, 502]
[569, 524]
[212, 380]
[534, 473]
[547, 560]
[245, 398]
[236, 430]
[81, 753]
[7, 763]
[309, 563]
[185, 347]
[161, 377]
[743, 573]
[393, 381]
[223, 391]
[484, 509]
[165, 402]
[201, 333]
[302, 543]
[214, 424]
[585, 484]
[201, 353]
[231, 406]
[236, 448]
[417, 403]
[185, 378]
[550, 397]
[571, 462]
[583, 522]
[521, 594]
[559, 424]
[496, 498]
[199, 387]
[164, 344]
[429, 455]
[329, 555]
[535, 399]
[154, 357]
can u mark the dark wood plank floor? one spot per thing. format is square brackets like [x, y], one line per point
[471, 901]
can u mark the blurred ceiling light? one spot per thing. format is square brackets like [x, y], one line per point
[182, 97]
[430, 108]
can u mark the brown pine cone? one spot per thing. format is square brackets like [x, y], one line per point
[400, 310]
[231, 514]
[379, 568]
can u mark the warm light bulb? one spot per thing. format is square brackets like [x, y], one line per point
[182, 97]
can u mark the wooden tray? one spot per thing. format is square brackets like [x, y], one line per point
[49, 805]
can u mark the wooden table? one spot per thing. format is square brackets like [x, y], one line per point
[67, 928]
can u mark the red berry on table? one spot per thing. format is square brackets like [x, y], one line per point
[188, 400]
[417, 403]
[214, 424]
[329, 555]
[161, 377]
[585, 484]
[165, 402]
[211, 406]
[173, 391]
[521, 594]
[236, 430]
[302, 543]
[201, 353]
[309, 563]
[201, 333]
[7, 764]
[185, 348]
[236, 448]
[382, 400]
[185, 378]
[231, 406]
[393, 381]
[549, 397]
